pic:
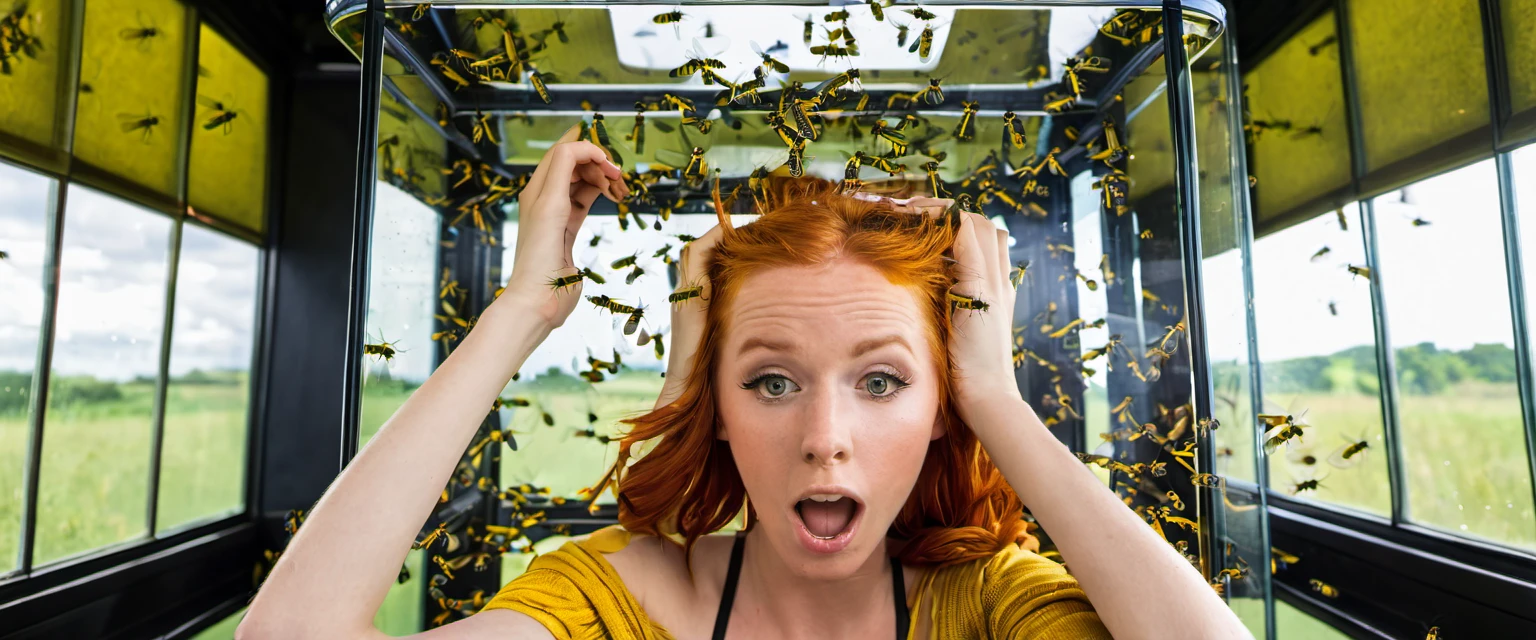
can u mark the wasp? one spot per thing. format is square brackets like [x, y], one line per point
[1364, 272]
[1208, 480]
[957, 301]
[877, 7]
[1057, 103]
[827, 91]
[1013, 130]
[923, 46]
[966, 129]
[673, 18]
[537, 80]
[1343, 221]
[836, 16]
[1076, 65]
[768, 60]
[634, 274]
[143, 34]
[920, 13]
[1114, 187]
[383, 349]
[600, 135]
[796, 159]
[563, 282]
[935, 184]
[810, 26]
[1349, 454]
[442, 62]
[683, 295]
[896, 138]
[132, 122]
[1324, 589]
[635, 316]
[484, 128]
[1016, 276]
[834, 51]
[222, 116]
[697, 62]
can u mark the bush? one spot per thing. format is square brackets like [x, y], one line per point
[15, 391]
[67, 391]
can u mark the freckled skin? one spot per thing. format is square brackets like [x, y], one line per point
[829, 430]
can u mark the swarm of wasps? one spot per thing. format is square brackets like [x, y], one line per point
[18, 37]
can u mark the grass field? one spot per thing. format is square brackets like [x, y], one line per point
[95, 471]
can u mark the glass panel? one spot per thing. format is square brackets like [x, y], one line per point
[128, 113]
[227, 176]
[1523, 169]
[402, 292]
[1463, 435]
[202, 459]
[1317, 348]
[25, 206]
[562, 458]
[93, 488]
[1294, 624]
[1519, 17]
[1298, 141]
[1397, 53]
[31, 87]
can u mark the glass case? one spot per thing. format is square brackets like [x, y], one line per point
[1103, 137]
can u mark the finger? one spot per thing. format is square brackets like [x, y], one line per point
[535, 186]
[986, 241]
[970, 262]
[583, 197]
[1002, 253]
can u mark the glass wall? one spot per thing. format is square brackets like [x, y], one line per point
[1317, 348]
[208, 385]
[1459, 418]
[98, 150]
[103, 381]
[25, 200]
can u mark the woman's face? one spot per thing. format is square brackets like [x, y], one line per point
[826, 386]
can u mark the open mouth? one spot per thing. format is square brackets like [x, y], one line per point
[827, 521]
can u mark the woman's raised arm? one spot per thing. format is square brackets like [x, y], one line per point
[1139, 585]
[338, 568]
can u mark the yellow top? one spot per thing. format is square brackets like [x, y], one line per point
[1016, 593]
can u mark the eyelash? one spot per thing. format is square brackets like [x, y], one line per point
[901, 382]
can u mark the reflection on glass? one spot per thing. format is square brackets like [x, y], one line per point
[29, 96]
[402, 295]
[1318, 355]
[1222, 234]
[1088, 245]
[227, 176]
[202, 455]
[1523, 167]
[93, 487]
[24, 210]
[547, 455]
[1463, 437]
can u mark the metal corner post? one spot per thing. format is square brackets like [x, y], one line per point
[1386, 360]
[1499, 111]
[1181, 114]
[362, 225]
[1244, 211]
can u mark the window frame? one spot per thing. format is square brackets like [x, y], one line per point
[1422, 565]
[177, 580]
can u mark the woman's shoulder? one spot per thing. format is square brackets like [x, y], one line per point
[1014, 592]
[613, 572]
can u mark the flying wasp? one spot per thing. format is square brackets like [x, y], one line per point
[383, 349]
[143, 33]
[768, 60]
[133, 122]
[1013, 130]
[923, 46]
[698, 61]
[966, 129]
[222, 116]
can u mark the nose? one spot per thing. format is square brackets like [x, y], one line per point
[827, 438]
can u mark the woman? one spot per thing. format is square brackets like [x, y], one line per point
[828, 380]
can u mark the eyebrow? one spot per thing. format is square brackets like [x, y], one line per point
[859, 349]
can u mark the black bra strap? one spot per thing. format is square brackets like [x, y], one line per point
[901, 599]
[723, 616]
[728, 595]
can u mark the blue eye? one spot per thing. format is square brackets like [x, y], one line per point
[883, 385]
[771, 386]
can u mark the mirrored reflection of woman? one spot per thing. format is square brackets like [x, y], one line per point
[874, 435]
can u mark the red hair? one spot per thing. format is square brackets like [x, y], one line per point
[961, 508]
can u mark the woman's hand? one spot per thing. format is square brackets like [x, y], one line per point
[688, 316]
[551, 208]
[981, 345]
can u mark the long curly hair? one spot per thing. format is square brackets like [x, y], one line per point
[687, 485]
